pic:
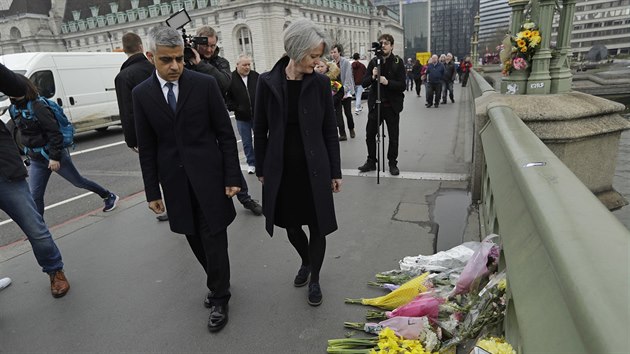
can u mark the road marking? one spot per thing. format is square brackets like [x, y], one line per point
[96, 148]
[55, 205]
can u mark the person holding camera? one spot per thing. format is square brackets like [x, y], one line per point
[392, 88]
[186, 143]
[16, 199]
[208, 61]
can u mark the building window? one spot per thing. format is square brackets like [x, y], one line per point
[15, 33]
[239, 14]
[244, 38]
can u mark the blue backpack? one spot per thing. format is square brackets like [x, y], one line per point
[65, 127]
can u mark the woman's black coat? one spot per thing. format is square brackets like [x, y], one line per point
[319, 134]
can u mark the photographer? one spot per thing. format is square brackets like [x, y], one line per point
[208, 61]
[392, 87]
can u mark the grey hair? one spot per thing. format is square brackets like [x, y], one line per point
[243, 56]
[301, 36]
[163, 36]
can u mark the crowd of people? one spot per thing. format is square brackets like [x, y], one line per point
[290, 120]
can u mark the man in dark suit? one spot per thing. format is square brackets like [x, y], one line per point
[187, 144]
[241, 98]
[133, 71]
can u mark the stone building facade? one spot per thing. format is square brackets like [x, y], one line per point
[244, 26]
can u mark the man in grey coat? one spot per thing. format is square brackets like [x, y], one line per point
[348, 87]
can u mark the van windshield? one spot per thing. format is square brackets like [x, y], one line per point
[2, 95]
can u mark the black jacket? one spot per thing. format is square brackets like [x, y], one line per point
[435, 73]
[11, 166]
[134, 70]
[192, 153]
[39, 132]
[449, 72]
[217, 67]
[318, 126]
[393, 69]
[240, 99]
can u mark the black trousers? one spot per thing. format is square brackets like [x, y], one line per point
[418, 86]
[346, 105]
[434, 89]
[211, 250]
[389, 116]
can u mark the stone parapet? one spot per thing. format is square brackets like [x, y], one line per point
[581, 129]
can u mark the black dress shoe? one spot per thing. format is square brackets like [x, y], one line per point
[301, 278]
[393, 170]
[163, 217]
[218, 317]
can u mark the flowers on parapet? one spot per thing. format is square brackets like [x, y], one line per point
[519, 50]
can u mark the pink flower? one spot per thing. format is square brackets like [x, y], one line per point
[519, 64]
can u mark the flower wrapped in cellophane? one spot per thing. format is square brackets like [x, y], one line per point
[398, 297]
[405, 327]
[518, 50]
[495, 345]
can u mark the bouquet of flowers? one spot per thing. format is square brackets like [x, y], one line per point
[519, 50]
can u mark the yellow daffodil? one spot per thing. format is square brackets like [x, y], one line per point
[534, 41]
[496, 346]
[524, 50]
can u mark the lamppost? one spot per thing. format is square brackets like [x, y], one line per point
[109, 35]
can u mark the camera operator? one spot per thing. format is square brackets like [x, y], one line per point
[392, 88]
[208, 61]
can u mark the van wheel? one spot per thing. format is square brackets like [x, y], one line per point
[100, 130]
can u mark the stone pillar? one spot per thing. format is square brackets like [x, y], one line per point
[560, 70]
[475, 43]
[539, 80]
[516, 83]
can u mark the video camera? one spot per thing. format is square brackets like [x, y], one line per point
[178, 20]
[377, 49]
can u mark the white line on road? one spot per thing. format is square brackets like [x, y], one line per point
[96, 148]
[55, 205]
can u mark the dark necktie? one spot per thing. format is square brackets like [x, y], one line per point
[170, 97]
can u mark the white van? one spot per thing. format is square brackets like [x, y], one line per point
[81, 83]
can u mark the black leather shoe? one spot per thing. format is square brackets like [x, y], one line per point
[206, 301]
[302, 276]
[393, 170]
[428, 105]
[253, 206]
[314, 294]
[218, 317]
[343, 138]
[163, 217]
[369, 165]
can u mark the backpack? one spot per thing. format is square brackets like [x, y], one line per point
[65, 126]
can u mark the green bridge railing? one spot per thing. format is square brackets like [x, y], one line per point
[566, 255]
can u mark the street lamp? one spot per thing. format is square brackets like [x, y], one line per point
[109, 35]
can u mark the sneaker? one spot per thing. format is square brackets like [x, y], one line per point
[369, 165]
[314, 294]
[356, 111]
[301, 278]
[4, 282]
[393, 170]
[253, 206]
[110, 202]
[59, 285]
[352, 134]
[251, 170]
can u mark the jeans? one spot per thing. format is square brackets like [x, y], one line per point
[358, 91]
[409, 83]
[243, 195]
[40, 174]
[17, 202]
[245, 131]
[447, 86]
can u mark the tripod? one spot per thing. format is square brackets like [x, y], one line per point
[380, 149]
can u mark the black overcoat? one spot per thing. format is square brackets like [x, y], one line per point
[318, 126]
[191, 153]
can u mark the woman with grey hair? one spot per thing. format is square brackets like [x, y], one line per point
[297, 150]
